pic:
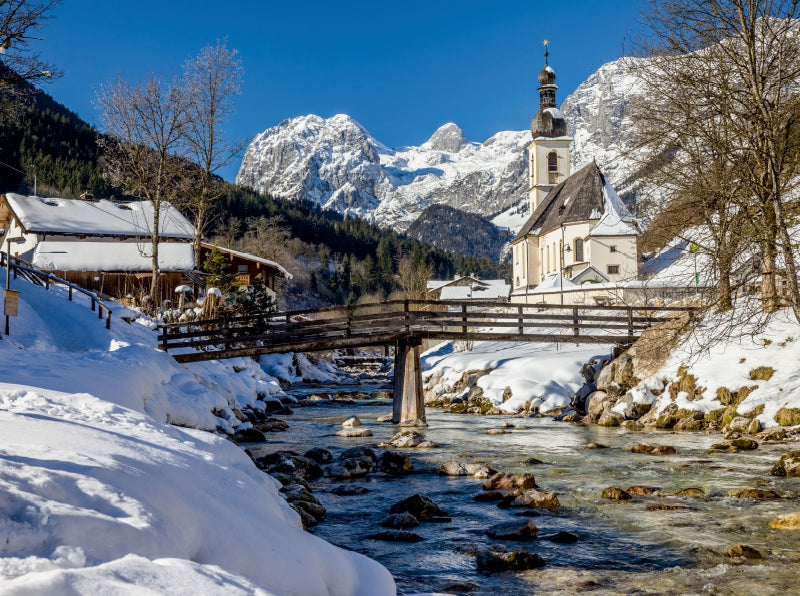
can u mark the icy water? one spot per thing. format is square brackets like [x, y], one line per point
[627, 547]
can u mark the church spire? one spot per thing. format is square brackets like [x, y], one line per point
[547, 82]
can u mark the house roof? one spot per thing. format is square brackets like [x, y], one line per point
[111, 256]
[248, 257]
[584, 196]
[478, 292]
[590, 273]
[435, 284]
[96, 218]
[553, 282]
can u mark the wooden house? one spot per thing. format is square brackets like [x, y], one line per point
[247, 267]
[100, 245]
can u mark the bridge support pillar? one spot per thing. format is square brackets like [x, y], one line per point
[408, 406]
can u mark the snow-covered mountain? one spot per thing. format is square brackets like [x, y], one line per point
[337, 164]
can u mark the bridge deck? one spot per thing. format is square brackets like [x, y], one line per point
[388, 322]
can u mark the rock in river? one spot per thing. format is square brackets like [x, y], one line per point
[503, 481]
[496, 562]
[419, 506]
[459, 468]
[513, 531]
[359, 431]
[400, 521]
[395, 463]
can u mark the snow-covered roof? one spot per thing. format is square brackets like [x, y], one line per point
[96, 217]
[552, 282]
[489, 292]
[111, 256]
[249, 257]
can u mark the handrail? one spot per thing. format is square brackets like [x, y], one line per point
[48, 277]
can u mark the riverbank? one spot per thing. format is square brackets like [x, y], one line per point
[112, 482]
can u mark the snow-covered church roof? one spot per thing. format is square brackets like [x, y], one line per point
[584, 196]
[96, 217]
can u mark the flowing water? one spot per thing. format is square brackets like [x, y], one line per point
[625, 547]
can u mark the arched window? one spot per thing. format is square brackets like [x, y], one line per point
[578, 248]
[552, 168]
[552, 162]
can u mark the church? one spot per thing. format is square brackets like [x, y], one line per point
[579, 231]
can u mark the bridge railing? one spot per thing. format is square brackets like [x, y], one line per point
[385, 322]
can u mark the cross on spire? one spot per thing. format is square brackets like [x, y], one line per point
[545, 52]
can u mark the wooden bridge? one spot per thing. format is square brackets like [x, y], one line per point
[405, 324]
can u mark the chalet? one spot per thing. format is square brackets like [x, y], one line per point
[580, 235]
[100, 245]
[248, 267]
[469, 288]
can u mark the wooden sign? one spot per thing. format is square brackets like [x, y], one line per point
[12, 303]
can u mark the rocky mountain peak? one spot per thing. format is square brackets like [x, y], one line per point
[448, 138]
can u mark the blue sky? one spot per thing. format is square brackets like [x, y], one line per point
[400, 69]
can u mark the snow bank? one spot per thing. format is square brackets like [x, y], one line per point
[545, 374]
[715, 364]
[101, 496]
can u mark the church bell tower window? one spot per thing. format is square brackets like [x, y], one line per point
[552, 167]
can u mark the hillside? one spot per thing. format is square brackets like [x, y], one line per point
[457, 232]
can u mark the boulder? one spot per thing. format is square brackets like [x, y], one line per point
[351, 422]
[513, 531]
[249, 435]
[787, 521]
[641, 491]
[272, 425]
[459, 468]
[596, 404]
[314, 509]
[610, 418]
[361, 451]
[663, 450]
[496, 562]
[289, 462]
[532, 500]
[615, 494]
[400, 521]
[742, 551]
[789, 465]
[358, 432]
[319, 455]
[406, 439]
[419, 506]
[642, 448]
[395, 463]
[349, 490]
[353, 467]
[503, 481]
[633, 410]
[691, 492]
[396, 536]
[756, 493]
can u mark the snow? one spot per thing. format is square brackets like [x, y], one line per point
[96, 218]
[102, 495]
[542, 373]
[715, 364]
[86, 255]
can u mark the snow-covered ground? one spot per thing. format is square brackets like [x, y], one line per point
[102, 495]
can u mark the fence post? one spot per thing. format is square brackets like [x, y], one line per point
[92, 297]
[406, 317]
[521, 328]
[464, 319]
[576, 330]
[70, 293]
[108, 319]
[630, 321]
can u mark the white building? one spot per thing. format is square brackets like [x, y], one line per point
[579, 231]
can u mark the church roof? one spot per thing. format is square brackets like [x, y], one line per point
[584, 196]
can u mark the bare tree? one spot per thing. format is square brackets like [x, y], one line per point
[266, 238]
[18, 63]
[722, 119]
[211, 79]
[145, 123]
[413, 275]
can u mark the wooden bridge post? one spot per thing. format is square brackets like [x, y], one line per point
[408, 405]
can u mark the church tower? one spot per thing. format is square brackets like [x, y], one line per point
[549, 150]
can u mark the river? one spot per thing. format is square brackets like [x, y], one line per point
[656, 544]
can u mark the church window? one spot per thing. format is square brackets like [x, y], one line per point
[612, 248]
[578, 248]
[552, 167]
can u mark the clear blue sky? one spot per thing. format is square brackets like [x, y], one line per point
[401, 69]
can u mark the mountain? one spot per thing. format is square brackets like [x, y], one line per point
[457, 231]
[337, 164]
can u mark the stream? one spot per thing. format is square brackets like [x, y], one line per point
[654, 544]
